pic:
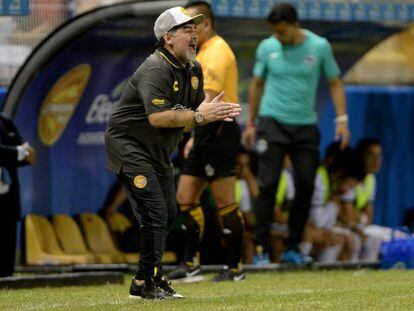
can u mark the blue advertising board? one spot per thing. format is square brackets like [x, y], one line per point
[63, 113]
[14, 7]
[385, 113]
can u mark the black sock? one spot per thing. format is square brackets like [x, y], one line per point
[233, 228]
[194, 224]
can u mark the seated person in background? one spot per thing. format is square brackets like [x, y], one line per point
[335, 177]
[247, 189]
[284, 198]
[124, 235]
[358, 203]
[44, 17]
[82, 6]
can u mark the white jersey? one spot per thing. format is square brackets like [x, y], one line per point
[290, 191]
[245, 203]
[350, 195]
[322, 214]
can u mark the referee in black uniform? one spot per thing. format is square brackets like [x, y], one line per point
[164, 96]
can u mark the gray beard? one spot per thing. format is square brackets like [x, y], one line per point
[191, 56]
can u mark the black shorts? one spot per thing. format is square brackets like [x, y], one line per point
[213, 160]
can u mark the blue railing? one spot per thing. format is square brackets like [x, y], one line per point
[322, 10]
[3, 92]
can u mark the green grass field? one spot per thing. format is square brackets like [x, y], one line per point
[302, 290]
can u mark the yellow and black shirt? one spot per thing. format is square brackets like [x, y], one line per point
[220, 74]
[160, 83]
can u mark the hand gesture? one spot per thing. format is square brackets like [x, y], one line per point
[219, 110]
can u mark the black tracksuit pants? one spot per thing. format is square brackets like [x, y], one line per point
[153, 201]
[302, 144]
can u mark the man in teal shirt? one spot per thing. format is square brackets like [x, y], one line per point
[286, 75]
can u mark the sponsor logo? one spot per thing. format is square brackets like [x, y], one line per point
[274, 55]
[140, 181]
[185, 11]
[100, 109]
[310, 60]
[60, 103]
[194, 82]
[238, 278]
[175, 86]
[91, 138]
[158, 102]
[209, 170]
[210, 75]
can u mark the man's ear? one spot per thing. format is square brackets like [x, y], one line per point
[168, 37]
[206, 24]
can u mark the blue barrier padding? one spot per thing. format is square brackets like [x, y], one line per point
[3, 92]
[386, 113]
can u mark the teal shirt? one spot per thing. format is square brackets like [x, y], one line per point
[291, 75]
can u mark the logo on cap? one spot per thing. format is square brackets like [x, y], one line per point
[174, 17]
[185, 11]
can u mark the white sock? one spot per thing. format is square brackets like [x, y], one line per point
[358, 246]
[329, 254]
[305, 248]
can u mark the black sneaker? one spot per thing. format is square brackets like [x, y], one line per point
[227, 274]
[165, 285]
[146, 291]
[185, 273]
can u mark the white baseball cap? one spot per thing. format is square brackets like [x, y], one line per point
[174, 17]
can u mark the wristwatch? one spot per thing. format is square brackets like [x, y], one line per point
[198, 117]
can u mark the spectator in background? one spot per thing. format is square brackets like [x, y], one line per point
[358, 203]
[14, 152]
[44, 17]
[246, 190]
[19, 34]
[83, 6]
[285, 195]
[211, 159]
[286, 75]
[332, 180]
[125, 233]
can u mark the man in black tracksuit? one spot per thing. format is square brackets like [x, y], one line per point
[164, 96]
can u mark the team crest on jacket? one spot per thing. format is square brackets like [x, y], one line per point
[194, 82]
[140, 181]
[209, 170]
